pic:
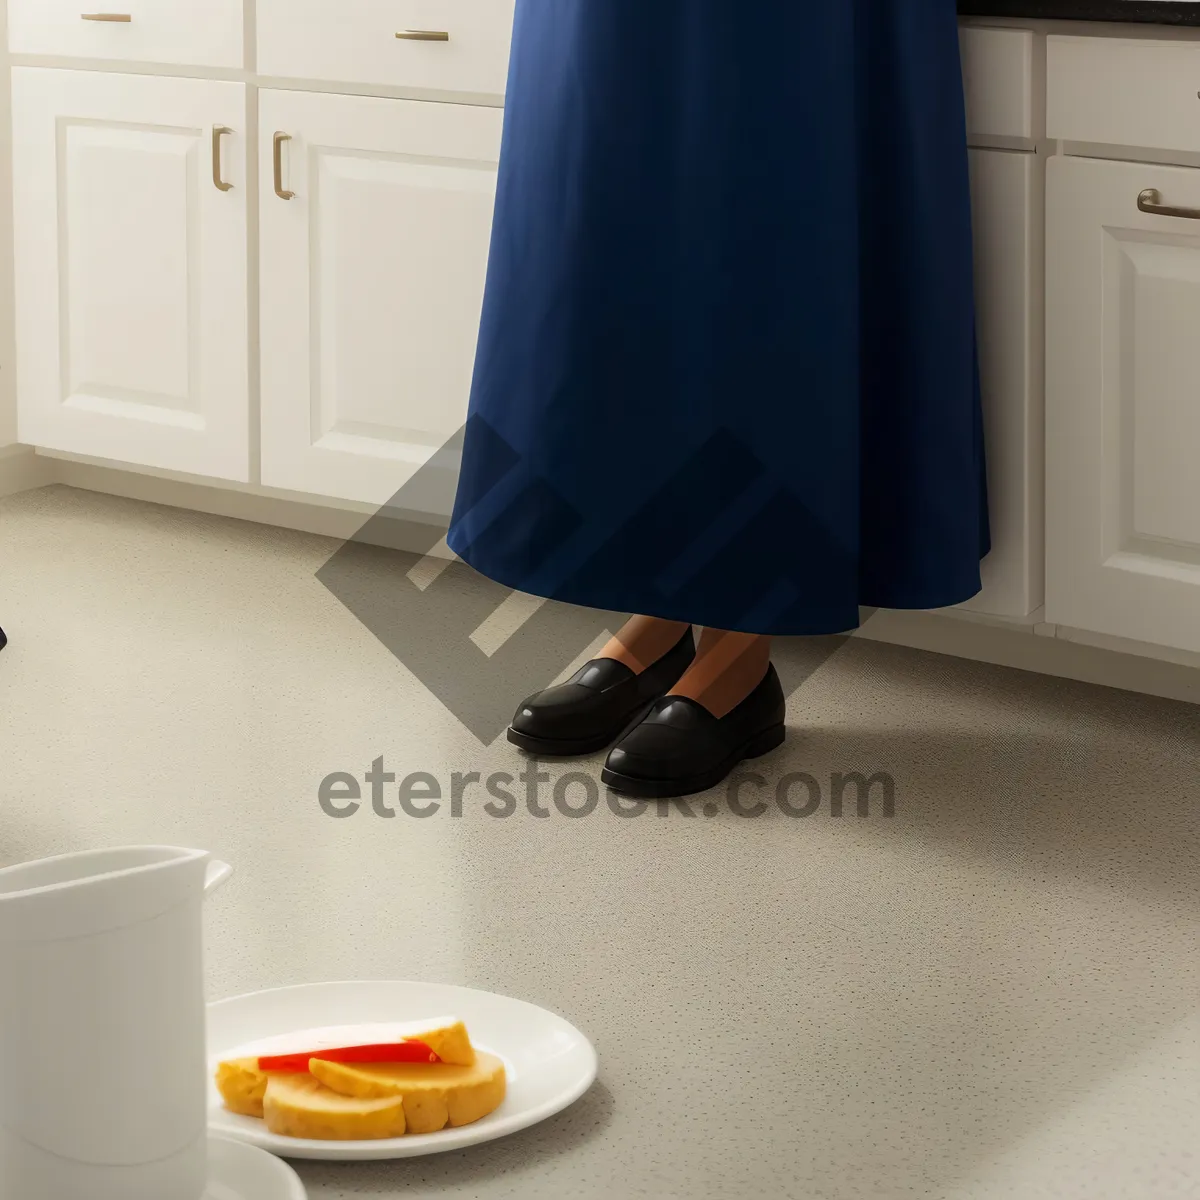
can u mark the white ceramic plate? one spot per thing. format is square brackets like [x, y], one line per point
[240, 1172]
[549, 1063]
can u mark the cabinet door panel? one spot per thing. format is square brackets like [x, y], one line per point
[131, 270]
[372, 283]
[1123, 411]
[127, 283]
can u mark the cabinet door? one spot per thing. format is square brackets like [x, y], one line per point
[372, 284]
[131, 269]
[1123, 403]
[1006, 190]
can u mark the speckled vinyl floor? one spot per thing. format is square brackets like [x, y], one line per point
[993, 993]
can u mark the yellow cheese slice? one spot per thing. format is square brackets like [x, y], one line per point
[450, 1043]
[435, 1094]
[299, 1106]
[242, 1085]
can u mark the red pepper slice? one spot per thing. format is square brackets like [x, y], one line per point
[388, 1052]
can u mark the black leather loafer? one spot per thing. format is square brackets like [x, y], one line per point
[679, 747]
[597, 704]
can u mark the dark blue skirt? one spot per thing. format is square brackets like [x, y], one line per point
[726, 369]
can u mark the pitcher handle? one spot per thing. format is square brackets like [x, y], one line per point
[216, 874]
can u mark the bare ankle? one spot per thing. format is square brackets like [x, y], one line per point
[642, 641]
[727, 668]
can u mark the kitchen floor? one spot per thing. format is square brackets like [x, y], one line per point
[994, 992]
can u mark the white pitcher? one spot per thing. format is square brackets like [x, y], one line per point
[102, 1056]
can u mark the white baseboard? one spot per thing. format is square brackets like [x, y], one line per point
[21, 469]
[247, 502]
[1045, 649]
[1123, 646]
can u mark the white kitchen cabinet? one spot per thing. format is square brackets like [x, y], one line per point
[1123, 406]
[1123, 92]
[438, 45]
[130, 269]
[999, 76]
[199, 33]
[374, 243]
[998, 81]
[1007, 212]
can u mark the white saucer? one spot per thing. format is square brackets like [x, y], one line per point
[237, 1171]
[548, 1062]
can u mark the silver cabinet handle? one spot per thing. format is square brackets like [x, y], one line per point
[423, 35]
[122, 18]
[219, 131]
[1150, 201]
[280, 191]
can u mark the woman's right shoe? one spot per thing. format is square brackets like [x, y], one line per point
[680, 748]
[597, 704]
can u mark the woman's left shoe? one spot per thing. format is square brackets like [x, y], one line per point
[679, 747]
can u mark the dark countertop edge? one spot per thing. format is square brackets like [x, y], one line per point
[1155, 12]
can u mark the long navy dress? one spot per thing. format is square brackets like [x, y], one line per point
[726, 370]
